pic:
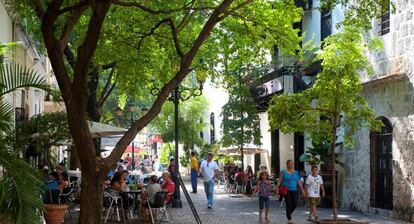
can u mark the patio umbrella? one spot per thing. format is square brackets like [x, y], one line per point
[246, 150]
[99, 130]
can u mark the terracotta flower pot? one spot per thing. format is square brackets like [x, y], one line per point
[54, 213]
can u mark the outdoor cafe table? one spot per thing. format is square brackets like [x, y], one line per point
[135, 195]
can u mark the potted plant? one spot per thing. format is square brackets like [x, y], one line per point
[54, 213]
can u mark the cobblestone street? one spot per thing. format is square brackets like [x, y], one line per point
[241, 209]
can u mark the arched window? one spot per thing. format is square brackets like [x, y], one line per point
[381, 166]
[212, 129]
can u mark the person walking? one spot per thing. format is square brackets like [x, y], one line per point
[209, 169]
[289, 180]
[264, 189]
[156, 164]
[194, 172]
[314, 186]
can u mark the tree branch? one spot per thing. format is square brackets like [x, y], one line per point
[175, 38]
[168, 87]
[88, 47]
[53, 48]
[38, 8]
[106, 96]
[151, 32]
[105, 89]
[238, 7]
[70, 57]
[74, 7]
[152, 11]
[76, 13]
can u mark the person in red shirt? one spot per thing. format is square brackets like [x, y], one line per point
[168, 185]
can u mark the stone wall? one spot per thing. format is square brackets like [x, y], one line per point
[390, 94]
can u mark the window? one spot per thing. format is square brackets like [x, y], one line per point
[212, 129]
[201, 132]
[381, 166]
[326, 23]
[385, 21]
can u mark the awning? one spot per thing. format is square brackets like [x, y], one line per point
[129, 149]
[236, 151]
[156, 138]
[99, 130]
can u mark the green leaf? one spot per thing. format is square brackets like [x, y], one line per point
[15, 76]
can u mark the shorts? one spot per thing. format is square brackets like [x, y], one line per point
[313, 201]
[263, 202]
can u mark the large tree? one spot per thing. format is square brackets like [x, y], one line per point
[336, 93]
[151, 42]
[159, 40]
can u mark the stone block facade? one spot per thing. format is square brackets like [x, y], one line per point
[390, 93]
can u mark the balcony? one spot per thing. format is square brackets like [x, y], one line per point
[287, 79]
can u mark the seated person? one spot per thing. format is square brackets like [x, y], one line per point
[118, 182]
[149, 193]
[126, 176]
[53, 189]
[168, 185]
[64, 183]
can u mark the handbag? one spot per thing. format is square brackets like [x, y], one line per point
[284, 189]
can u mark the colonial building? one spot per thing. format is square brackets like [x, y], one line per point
[28, 101]
[379, 175]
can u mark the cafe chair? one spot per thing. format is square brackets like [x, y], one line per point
[68, 196]
[115, 202]
[159, 203]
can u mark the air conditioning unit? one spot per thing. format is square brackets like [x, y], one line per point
[304, 4]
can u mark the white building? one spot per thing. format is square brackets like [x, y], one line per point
[378, 173]
[216, 98]
[28, 101]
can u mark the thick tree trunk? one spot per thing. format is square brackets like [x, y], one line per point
[92, 195]
[93, 111]
[74, 159]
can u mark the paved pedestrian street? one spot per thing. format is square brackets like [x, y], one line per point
[242, 209]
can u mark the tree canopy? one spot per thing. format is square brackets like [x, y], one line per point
[190, 120]
[153, 43]
[335, 94]
[241, 121]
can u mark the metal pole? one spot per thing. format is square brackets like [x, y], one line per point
[241, 122]
[176, 203]
[133, 155]
[133, 158]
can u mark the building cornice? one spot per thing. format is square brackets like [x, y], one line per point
[384, 80]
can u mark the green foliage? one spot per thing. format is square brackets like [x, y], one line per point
[318, 154]
[360, 13]
[190, 121]
[43, 131]
[167, 150]
[336, 91]
[240, 113]
[20, 190]
[184, 160]
[20, 187]
[13, 77]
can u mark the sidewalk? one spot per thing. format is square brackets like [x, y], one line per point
[242, 209]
